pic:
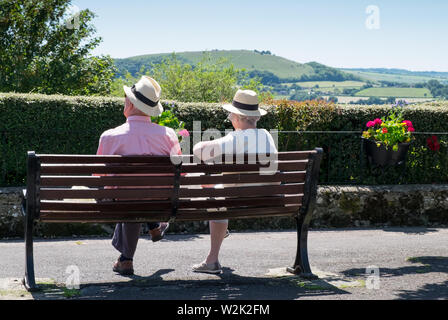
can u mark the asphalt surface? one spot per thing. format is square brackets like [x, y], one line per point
[412, 264]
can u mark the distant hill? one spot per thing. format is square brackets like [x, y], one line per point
[261, 63]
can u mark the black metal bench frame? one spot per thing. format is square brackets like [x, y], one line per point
[301, 266]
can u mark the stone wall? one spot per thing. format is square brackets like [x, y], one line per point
[336, 206]
[396, 205]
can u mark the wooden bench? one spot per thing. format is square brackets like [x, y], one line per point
[114, 190]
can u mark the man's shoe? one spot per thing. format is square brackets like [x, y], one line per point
[157, 234]
[124, 267]
[214, 268]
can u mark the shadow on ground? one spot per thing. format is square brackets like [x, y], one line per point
[227, 286]
[168, 237]
[426, 265]
[407, 230]
[411, 230]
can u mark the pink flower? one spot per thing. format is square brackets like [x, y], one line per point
[370, 124]
[184, 133]
[377, 121]
[408, 123]
[411, 129]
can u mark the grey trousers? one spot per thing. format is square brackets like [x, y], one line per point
[126, 237]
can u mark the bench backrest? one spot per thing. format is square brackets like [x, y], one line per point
[90, 188]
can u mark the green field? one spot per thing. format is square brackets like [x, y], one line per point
[331, 84]
[372, 76]
[395, 92]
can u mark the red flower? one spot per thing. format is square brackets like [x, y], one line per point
[433, 144]
[384, 130]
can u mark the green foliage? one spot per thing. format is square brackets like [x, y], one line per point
[437, 89]
[39, 53]
[305, 96]
[324, 73]
[207, 81]
[395, 92]
[73, 125]
[295, 116]
[118, 83]
[375, 100]
[168, 119]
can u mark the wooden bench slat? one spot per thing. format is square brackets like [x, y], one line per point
[243, 178]
[103, 169]
[153, 159]
[156, 216]
[218, 168]
[50, 169]
[101, 181]
[267, 190]
[114, 206]
[90, 159]
[65, 193]
[107, 206]
[246, 201]
[290, 155]
[122, 194]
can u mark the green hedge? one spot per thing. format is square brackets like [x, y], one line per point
[71, 125]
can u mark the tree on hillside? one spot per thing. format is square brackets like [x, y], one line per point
[304, 96]
[437, 89]
[324, 73]
[206, 81]
[44, 50]
[266, 77]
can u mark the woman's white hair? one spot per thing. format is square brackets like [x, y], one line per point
[252, 121]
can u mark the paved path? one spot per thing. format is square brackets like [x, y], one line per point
[412, 262]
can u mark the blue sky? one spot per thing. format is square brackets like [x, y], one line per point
[412, 34]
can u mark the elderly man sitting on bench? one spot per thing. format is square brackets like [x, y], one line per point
[138, 136]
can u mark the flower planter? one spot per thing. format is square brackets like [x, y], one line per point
[380, 156]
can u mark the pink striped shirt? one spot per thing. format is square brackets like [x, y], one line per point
[139, 136]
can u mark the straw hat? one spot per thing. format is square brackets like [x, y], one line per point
[245, 103]
[145, 95]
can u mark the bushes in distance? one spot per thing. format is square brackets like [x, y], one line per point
[73, 125]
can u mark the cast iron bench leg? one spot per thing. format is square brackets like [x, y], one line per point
[29, 281]
[301, 265]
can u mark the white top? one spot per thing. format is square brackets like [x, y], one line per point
[249, 141]
[237, 142]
